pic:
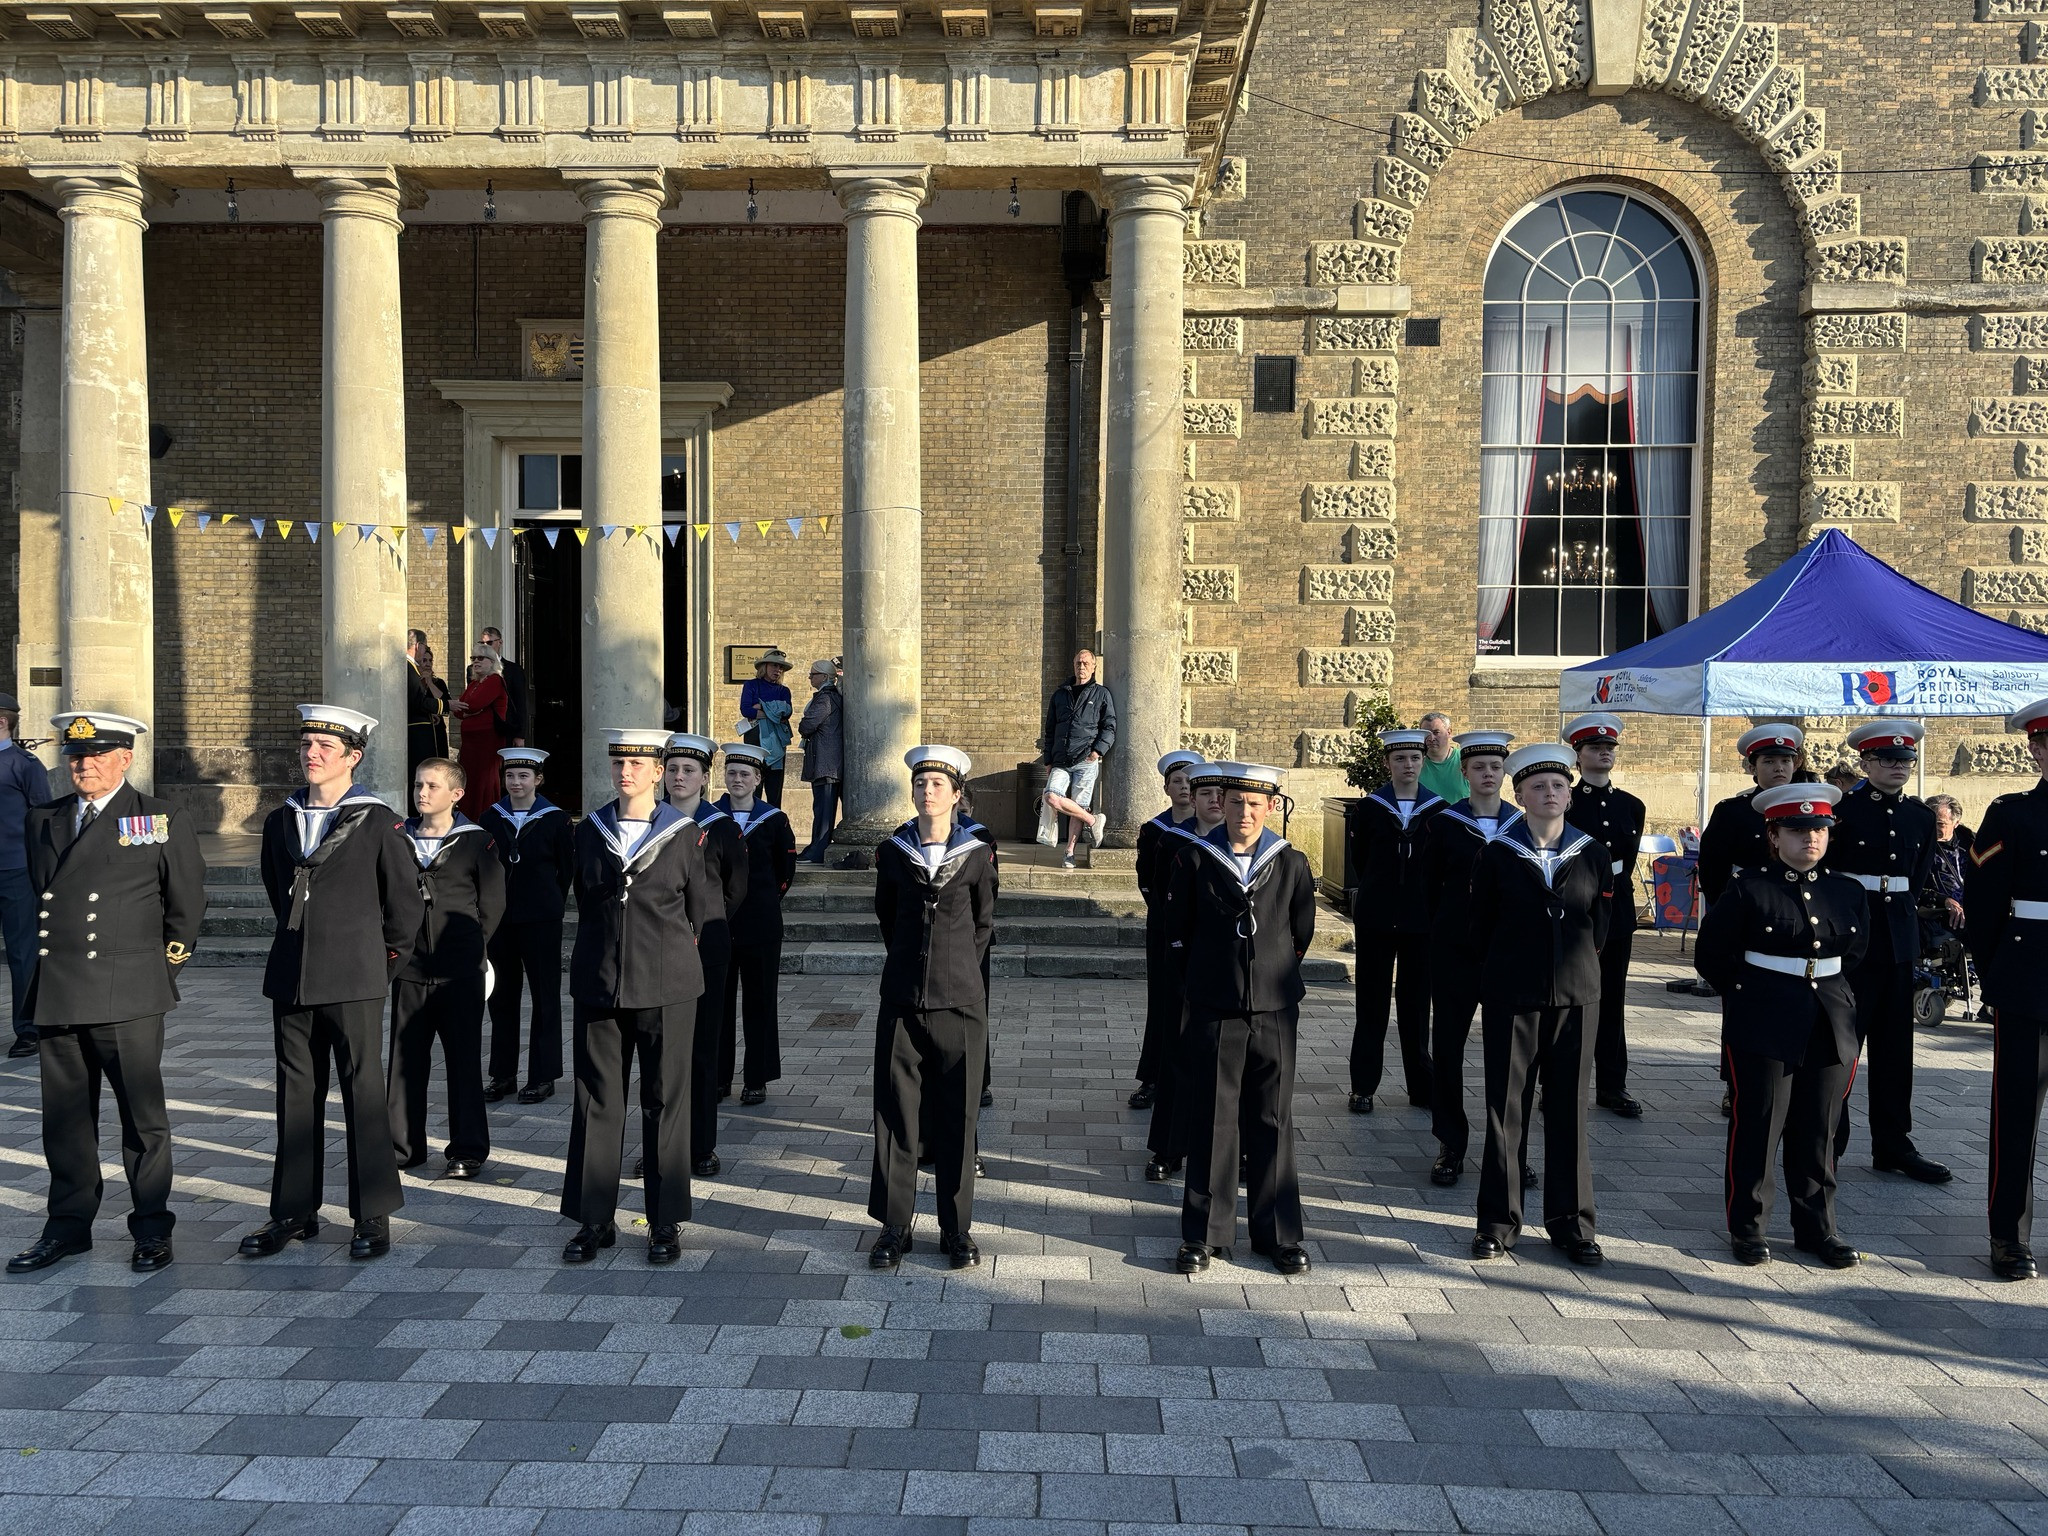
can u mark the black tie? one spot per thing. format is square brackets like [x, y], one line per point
[92, 812]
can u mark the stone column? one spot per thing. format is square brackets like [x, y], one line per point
[882, 580]
[39, 652]
[1142, 478]
[622, 639]
[362, 461]
[106, 618]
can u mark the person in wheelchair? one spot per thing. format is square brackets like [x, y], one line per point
[1943, 972]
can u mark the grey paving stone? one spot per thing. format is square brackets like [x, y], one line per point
[530, 1440]
[1066, 1496]
[786, 1445]
[327, 1520]
[1693, 1472]
[467, 1483]
[1241, 1501]
[1956, 1477]
[1937, 1517]
[253, 1434]
[299, 1479]
[1380, 1506]
[1524, 1511]
[1008, 1451]
[1317, 1460]
[1660, 1514]
[977, 1494]
[407, 1439]
[153, 1474]
[447, 1520]
[130, 1431]
[753, 1525]
[834, 1491]
[566, 1485]
[1171, 1455]
[181, 1517]
[1798, 1517]
[915, 1449]
[701, 1488]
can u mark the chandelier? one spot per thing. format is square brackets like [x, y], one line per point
[1580, 478]
[1580, 563]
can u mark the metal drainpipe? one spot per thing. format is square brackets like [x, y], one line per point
[1081, 259]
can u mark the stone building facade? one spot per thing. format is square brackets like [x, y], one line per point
[818, 276]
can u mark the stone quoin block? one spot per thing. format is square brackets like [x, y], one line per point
[1866, 503]
[1219, 262]
[1375, 376]
[1353, 333]
[1859, 333]
[2006, 502]
[1372, 461]
[1829, 461]
[1212, 418]
[1208, 668]
[1347, 584]
[1347, 501]
[1324, 749]
[1212, 333]
[2030, 546]
[2022, 417]
[1369, 626]
[1209, 501]
[1350, 417]
[1992, 754]
[2006, 586]
[1340, 263]
[1350, 666]
[2030, 460]
[1217, 746]
[2012, 259]
[1831, 374]
[1373, 541]
[1860, 261]
[1832, 417]
[1208, 584]
[2009, 333]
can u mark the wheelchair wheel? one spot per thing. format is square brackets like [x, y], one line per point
[1930, 1006]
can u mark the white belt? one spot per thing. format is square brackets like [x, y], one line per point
[1614, 868]
[1785, 965]
[1881, 882]
[2033, 911]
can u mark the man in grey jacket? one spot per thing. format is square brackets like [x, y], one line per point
[1080, 729]
[823, 729]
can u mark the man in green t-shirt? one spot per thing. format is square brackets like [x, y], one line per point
[1441, 775]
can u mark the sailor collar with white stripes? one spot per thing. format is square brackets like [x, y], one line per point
[1244, 868]
[706, 813]
[664, 824]
[1423, 801]
[747, 821]
[316, 821]
[521, 820]
[1164, 822]
[1502, 819]
[959, 843]
[428, 850]
[1546, 861]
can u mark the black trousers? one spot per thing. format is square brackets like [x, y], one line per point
[2019, 1078]
[529, 953]
[1454, 1003]
[18, 906]
[1550, 1042]
[1884, 1023]
[1162, 1009]
[824, 814]
[129, 1058]
[927, 1084]
[771, 784]
[1610, 1044]
[753, 989]
[352, 1034]
[1239, 1098]
[714, 955]
[1167, 1137]
[606, 1040]
[452, 1012]
[1393, 972]
[1772, 1103]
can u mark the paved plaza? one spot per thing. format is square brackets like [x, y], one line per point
[771, 1384]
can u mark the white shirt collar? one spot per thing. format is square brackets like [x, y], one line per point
[99, 805]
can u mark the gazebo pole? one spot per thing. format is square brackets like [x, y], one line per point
[1706, 765]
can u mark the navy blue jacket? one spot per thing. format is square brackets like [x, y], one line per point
[23, 783]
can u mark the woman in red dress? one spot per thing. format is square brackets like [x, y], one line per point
[482, 710]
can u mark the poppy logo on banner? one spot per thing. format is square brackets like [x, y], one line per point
[1875, 689]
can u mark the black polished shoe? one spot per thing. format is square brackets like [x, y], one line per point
[583, 1247]
[1529, 1179]
[1359, 1104]
[1831, 1251]
[1912, 1165]
[500, 1088]
[1291, 1260]
[1580, 1250]
[45, 1252]
[464, 1167]
[273, 1235]
[889, 1248]
[1751, 1250]
[1727, 1104]
[664, 1244]
[988, 1098]
[753, 1096]
[1146, 1096]
[1446, 1170]
[1160, 1169]
[639, 1167]
[959, 1250]
[535, 1093]
[1192, 1258]
[707, 1167]
[980, 1168]
[371, 1238]
[1625, 1105]
[22, 1048]
[2013, 1261]
[150, 1255]
[1484, 1247]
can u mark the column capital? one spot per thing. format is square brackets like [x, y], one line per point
[864, 190]
[1165, 186]
[620, 191]
[117, 191]
[361, 191]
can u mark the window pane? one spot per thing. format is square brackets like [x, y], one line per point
[1506, 273]
[1540, 228]
[538, 491]
[675, 486]
[1592, 210]
[572, 482]
[1674, 272]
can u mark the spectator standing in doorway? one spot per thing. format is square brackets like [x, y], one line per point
[823, 729]
[765, 711]
[425, 735]
[1080, 730]
[519, 701]
[23, 783]
[1443, 772]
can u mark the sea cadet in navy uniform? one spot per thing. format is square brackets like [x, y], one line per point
[1157, 840]
[1734, 839]
[1456, 835]
[534, 839]
[753, 982]
[1167, 1137]
[344, 886]
[1391, 916]
[964, 817]
[122, 889]
[1778, 947]
[685, 776]
[439, 994]
[641, 897]
[1615, 818]
[1884, 840]
[1241, 910]
[2005, 909]
[1540, 906]
[936, 903]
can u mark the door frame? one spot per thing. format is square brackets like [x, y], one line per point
[501, 416]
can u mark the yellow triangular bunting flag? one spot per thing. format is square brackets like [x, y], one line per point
[459, 532]
[582, 535]
[114, 504]
[228, 517]
[824, 525]
[762, 524]
[703, 531]
[335, 528]
[636, 529]
[284, 528]
[177, 515]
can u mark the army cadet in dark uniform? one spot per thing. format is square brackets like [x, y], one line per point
[439, 994]
[1778, 947]
[2005, 907]
[685, 777]
[1391, 917]
[1157, 839]
[1540, 904]
[344, 887]
[1456, 834]
[1615, 818]
[641, 898]
[1884, 841]
[123, 888]
[936, 904]
[1241, 913]
[753, 982]
[535, 839]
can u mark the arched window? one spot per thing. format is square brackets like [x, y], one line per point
[1589, 428]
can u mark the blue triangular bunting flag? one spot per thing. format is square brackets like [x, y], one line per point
[148, 514]
[553, 534]
[671, 529]
[259, 524]
[364, 530]
[313, 532]
[204, 519]
[490, 537]
[796, 527]
[427, 532]
[732, 531]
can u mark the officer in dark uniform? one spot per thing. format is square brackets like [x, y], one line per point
[1778, 947]
[642, 896]
[1241, 912]
[1391, 917]
[936, 903]
[344, 887]
[1614, 817]
[1539, 909]
[535, 839]
[755, 976]
[1884, 840]
[685, 777]
[1456, 834]
[123, 888]
[439, 994]
[2005, 907]
[1733, 839]
[1157, 839]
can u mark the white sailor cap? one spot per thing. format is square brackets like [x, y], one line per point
[1404, 738]
[1482, 743]
[1776, 738]
[1252, 776]
[1594, 729]
[351, 726]
[744, 752]
[950, 761]
[635, 743]
[1206, 773]
[683, 744]
[2030, 718]
[1174, 761]
[1797, 805]
[87, 733]
[1896, 739]
[1540, 757]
